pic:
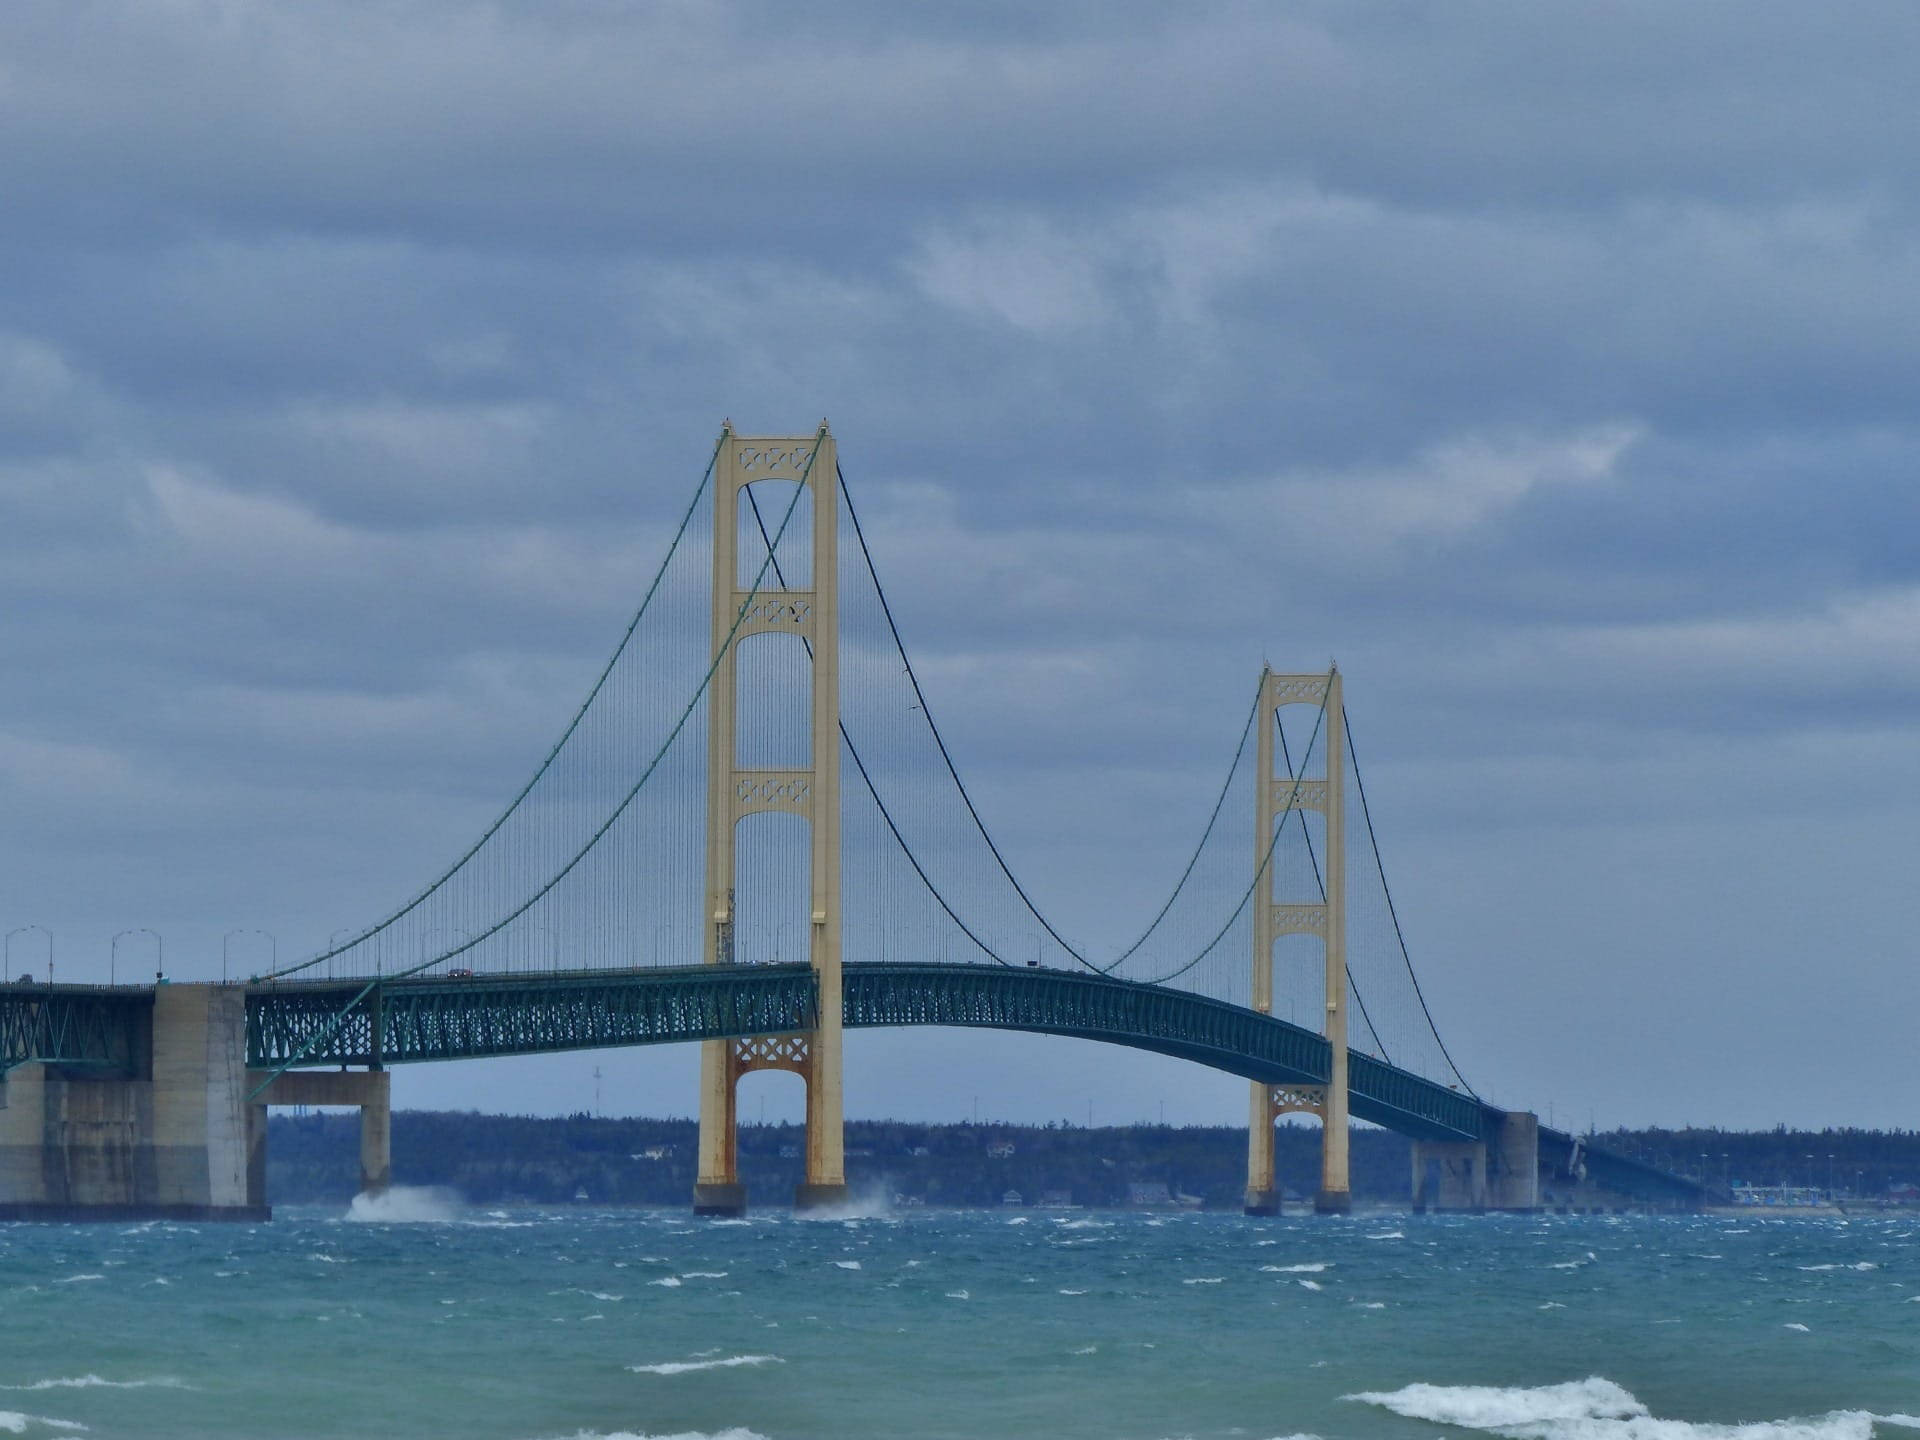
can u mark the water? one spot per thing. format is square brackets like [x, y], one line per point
[419, 1318]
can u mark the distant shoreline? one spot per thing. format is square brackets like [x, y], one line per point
[504, 1159]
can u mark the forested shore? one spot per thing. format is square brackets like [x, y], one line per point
[503, 1159]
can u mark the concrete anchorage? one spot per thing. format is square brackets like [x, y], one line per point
[1275, 796]
[733, 792]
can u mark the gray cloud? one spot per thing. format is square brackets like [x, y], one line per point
[1549, 367]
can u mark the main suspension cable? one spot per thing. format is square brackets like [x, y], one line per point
[1394, 915]
[552, 755]
[946, 756]
[1321, 885]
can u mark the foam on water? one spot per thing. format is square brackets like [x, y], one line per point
[14, 1422]
[1593, 1409]
[92, 1382]
[683, 1367]
[405, 1205]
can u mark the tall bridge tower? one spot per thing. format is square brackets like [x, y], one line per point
[809, 617]
[1277, 795]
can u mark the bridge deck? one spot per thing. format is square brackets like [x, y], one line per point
[332, 1022]
[436, 1018]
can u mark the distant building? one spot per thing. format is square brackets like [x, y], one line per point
[1149, 1194]
[1012, 1197]
[789, 1152]
[1000, 1150]
[1057, 1200]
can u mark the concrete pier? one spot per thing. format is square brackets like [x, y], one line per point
[1502, 1173]
[174, 1140]
[370, 1090]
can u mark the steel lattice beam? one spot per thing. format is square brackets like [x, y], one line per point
[420, 1019]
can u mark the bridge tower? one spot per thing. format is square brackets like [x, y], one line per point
[1275, 794]
[812, 616]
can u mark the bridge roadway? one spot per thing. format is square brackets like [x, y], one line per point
[429, 1017]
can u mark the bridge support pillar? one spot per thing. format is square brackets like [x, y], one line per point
[173, 1139]
[1513, 1163]
[1277, 797]
[370, 1091]
[769, 606]
[1449, 1175]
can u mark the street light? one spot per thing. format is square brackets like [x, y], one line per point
[333, 946]
[113, 952]
[273, 959]
[426, 942]
[6, 964]
[553, 944]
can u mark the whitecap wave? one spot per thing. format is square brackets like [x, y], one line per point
[405, 1205]
[1311, 1268]
[846, 1264]
[14, 1422]
[91, 1381]
[683, 1367]
[1593, 1409]
[737, 1432]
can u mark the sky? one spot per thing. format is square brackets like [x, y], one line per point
[1551, 367]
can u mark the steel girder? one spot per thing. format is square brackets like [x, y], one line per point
[456, 1018]
[1152, 1017]
[95, 1026]
[417, 1019]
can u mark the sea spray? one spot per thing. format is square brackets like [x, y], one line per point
[405, 1205]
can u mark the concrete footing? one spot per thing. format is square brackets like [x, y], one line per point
[1261, 1202]
[1500, 1173]
[177, 1140]
[370, 1090]
[819, 1197]
[1332, 1202]
[720, 1201]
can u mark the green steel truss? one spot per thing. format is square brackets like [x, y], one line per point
[319, 1023]
[420, 1018]
[87, 1025]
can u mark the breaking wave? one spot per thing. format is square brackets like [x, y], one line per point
[1597, 1409]
[682, 1367]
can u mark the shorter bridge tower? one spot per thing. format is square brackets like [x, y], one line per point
[1276, 795]
[811, 617]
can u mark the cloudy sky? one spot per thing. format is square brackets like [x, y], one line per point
[1552, 367]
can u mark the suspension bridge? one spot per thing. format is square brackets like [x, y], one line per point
[817, 864]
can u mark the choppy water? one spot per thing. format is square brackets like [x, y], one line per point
[521, 1325]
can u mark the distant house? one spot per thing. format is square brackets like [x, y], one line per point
[1057, 1200]
[1012, 1197]
[789, 1152]
[1000, 1150]
[654, 1152]
[1149, 1194]
[918, 1150]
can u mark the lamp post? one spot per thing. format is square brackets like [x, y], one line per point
[553, 945]
[113, 952]
[226, 942]
[450, 931]
[6, 964]
[333, 947]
